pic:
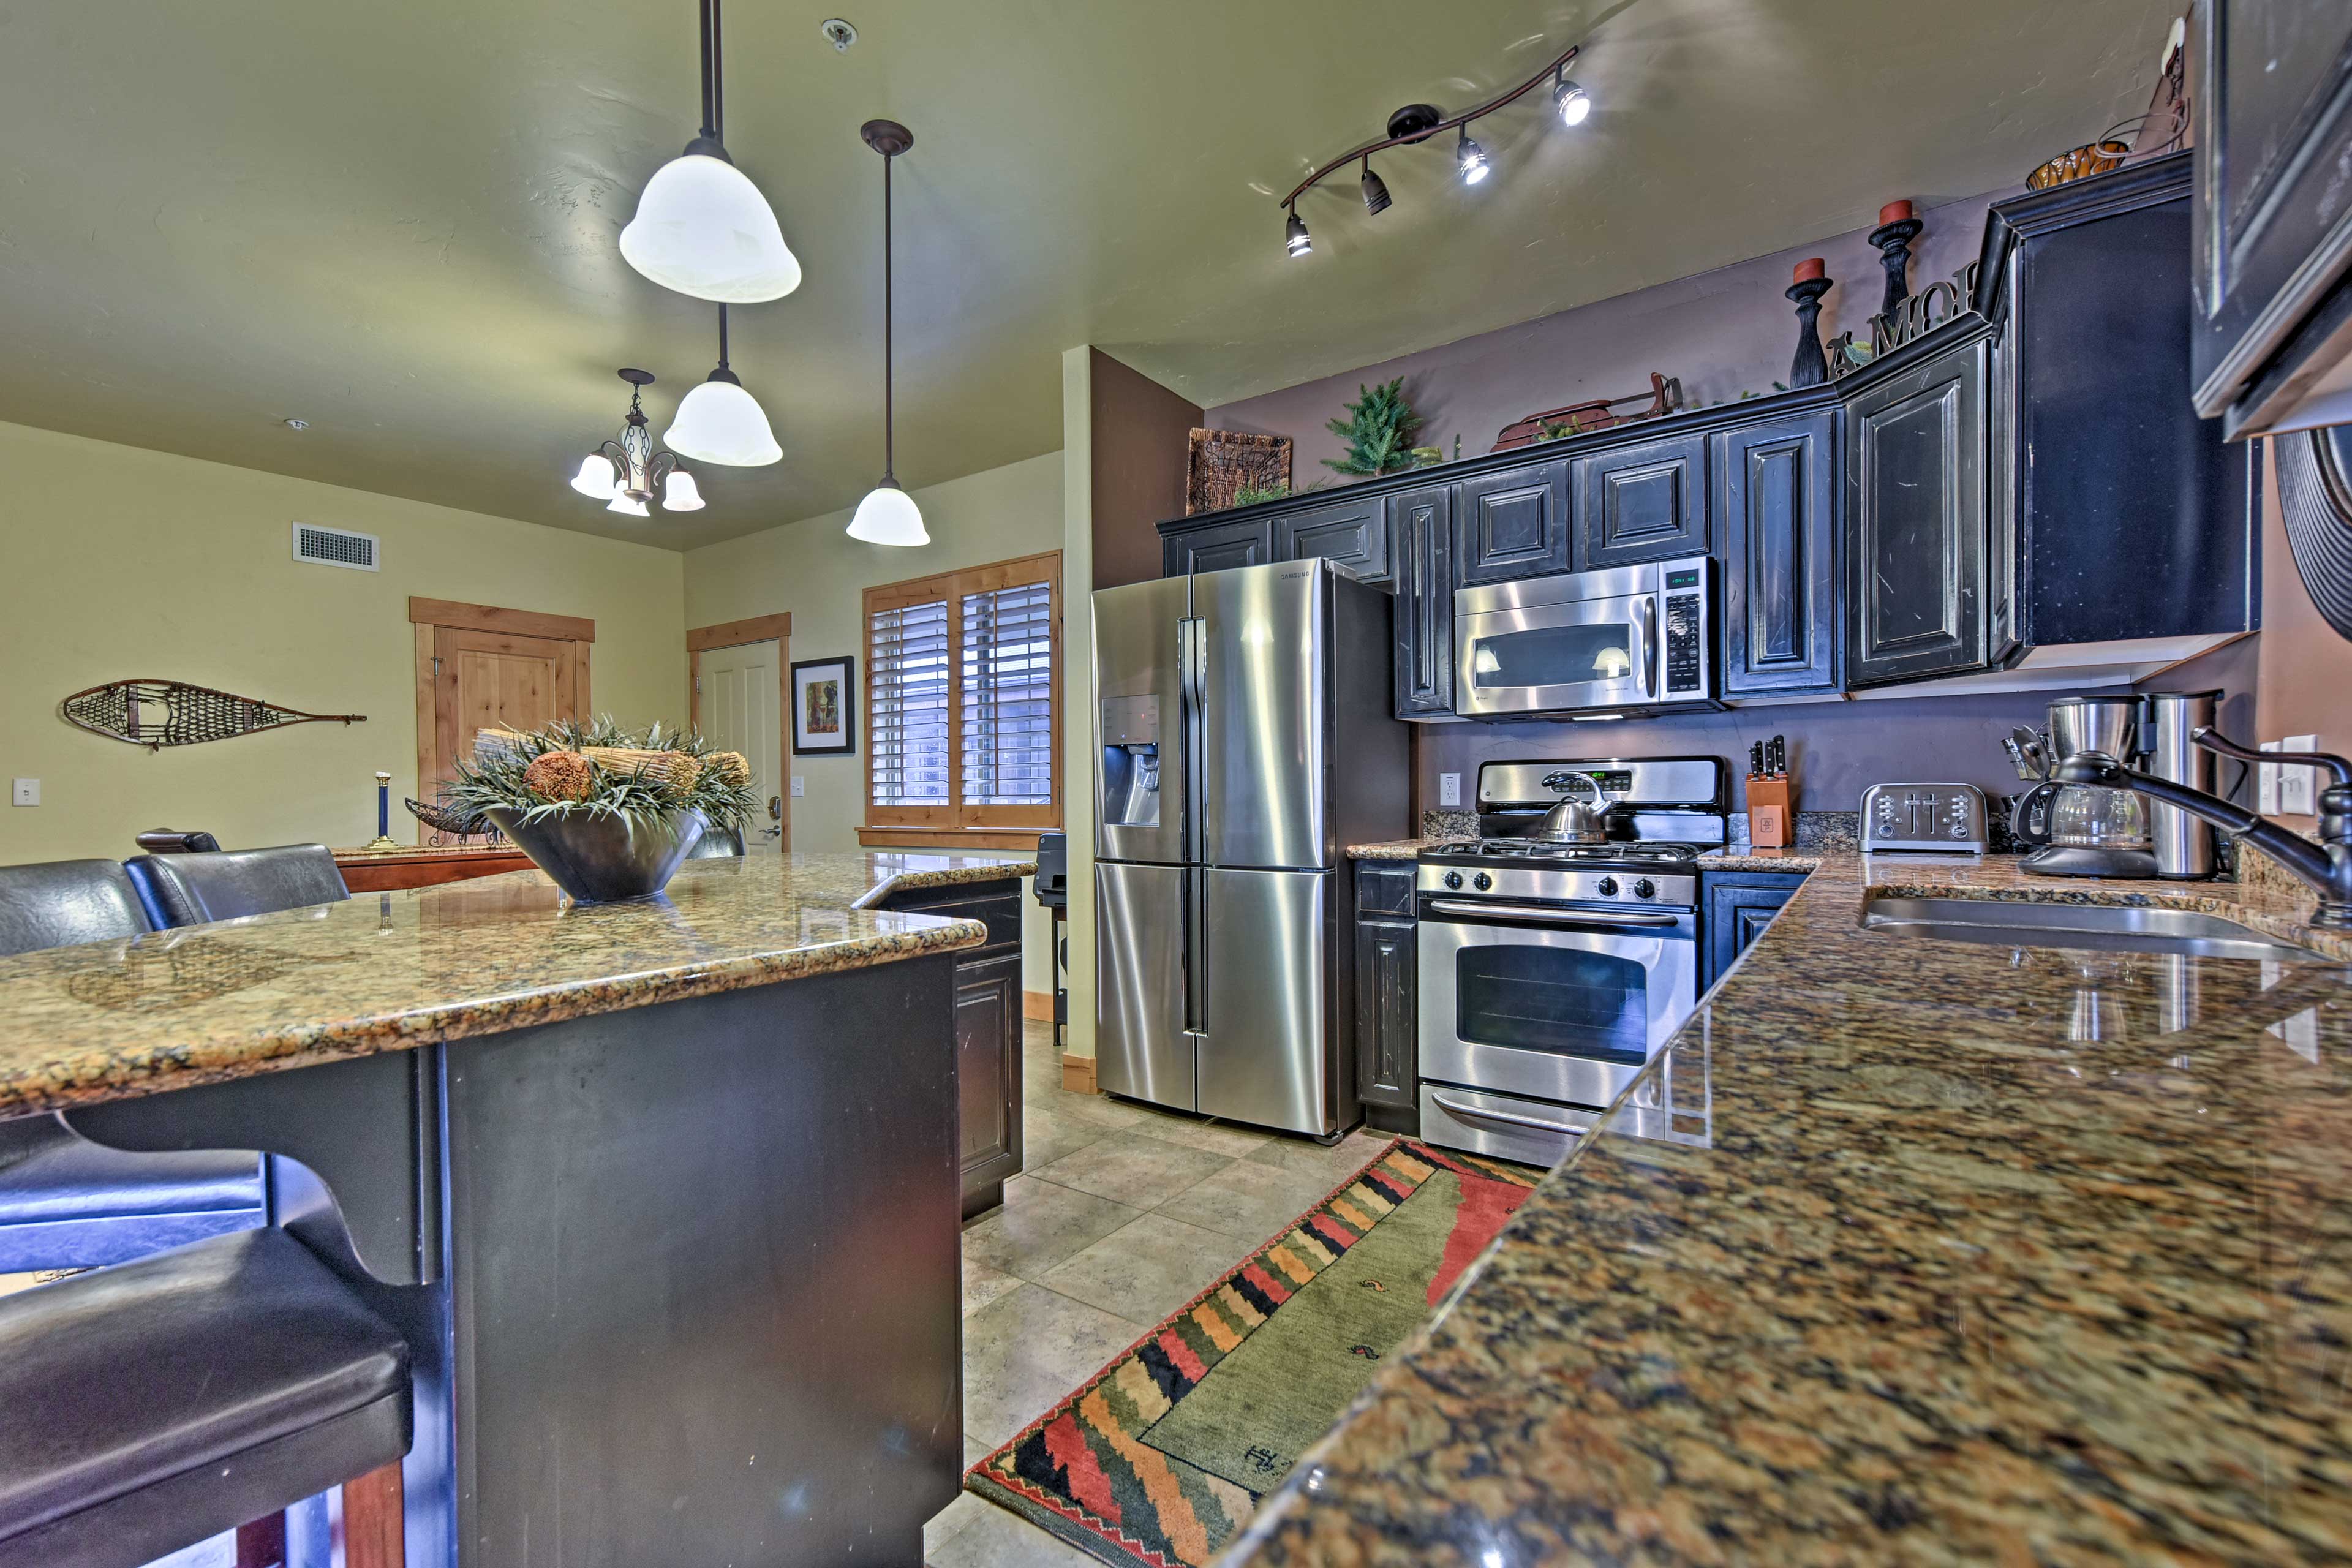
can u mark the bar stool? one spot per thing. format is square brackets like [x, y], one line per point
[155, 1403]
[190, 890]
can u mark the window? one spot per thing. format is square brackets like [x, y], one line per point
[963, 732]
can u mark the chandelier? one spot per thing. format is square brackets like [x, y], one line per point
[624, 474]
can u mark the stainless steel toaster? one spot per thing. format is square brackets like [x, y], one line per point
[1924, 817]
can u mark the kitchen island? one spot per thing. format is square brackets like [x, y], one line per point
[664, 1194]
[1968, 1252]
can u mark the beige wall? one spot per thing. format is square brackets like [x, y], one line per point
[118, 562]
[813, 570]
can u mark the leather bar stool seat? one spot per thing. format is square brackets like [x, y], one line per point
[60, 902]
[190, 890]
[155, 1403]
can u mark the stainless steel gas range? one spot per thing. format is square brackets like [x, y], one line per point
[1550, 973]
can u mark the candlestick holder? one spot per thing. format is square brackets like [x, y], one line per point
[1893, 243]
[1809, 368]
[384, 843]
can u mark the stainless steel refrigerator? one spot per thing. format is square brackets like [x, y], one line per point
[1245, 737]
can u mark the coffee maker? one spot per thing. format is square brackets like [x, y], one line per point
[2086, 830]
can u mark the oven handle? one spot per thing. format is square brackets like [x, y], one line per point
[1541, 916]
[1476, 1113]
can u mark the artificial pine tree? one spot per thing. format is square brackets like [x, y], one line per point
[1379, 436]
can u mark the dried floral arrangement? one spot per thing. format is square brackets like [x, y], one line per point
[600, 770]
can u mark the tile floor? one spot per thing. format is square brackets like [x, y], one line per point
[1121, 1215]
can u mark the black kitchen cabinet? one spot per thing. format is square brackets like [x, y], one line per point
[1775, 490]
[1643, 502]
[1214, 547]
[1738, 905]
[1512, 524]
[1420, 533]
[1387, 1020]
[1916, 524]
[2273, 245]
[987, 1034]
[1353, 535]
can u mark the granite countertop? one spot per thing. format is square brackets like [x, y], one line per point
[1949, 1253]
[381, 972]
[1394, 849]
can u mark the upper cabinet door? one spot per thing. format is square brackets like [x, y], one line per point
[1915, 577]
[1512, 524]
[1353, 535]
[1774, 486]
[2273, 243]
[1218, 547]
[1640, 503]
[1421, 528]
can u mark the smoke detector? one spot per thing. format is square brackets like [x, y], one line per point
[837, 33]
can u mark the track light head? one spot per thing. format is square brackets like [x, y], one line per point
[1294, 236]
[1376, 191]
[1572, 101]
[1471, 158]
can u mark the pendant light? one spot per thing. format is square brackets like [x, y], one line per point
[702, 227]
[887, 515]
[718, 422]
[624, 474]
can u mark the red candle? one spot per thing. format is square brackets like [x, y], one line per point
[1809, 271]
[1893, 211]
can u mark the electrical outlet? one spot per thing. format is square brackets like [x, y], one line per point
[800, 787]
[2267, 784]
[1449, 789]
[2298, 790]
[28, 792]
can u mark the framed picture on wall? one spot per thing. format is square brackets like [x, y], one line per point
[824, 706]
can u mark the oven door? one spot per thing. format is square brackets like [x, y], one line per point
[1550, 658]
[1563, 1004]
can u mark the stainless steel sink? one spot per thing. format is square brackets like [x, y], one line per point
[2110, 928]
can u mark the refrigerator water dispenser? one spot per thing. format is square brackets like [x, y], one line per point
[1131, 762]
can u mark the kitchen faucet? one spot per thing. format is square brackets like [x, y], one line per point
[2325, 867]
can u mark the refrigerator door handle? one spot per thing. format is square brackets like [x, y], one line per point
[1196, 952]
[1192, 656]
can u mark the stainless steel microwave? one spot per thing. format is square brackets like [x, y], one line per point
[1630, 640]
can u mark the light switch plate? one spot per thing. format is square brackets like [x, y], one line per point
[2298, 791]
[1449, 789]
[28, 792]
[800, 787]
[2267, 784]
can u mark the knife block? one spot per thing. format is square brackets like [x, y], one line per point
[1768, 819]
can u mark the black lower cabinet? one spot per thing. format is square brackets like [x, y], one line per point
[1738, 906]
[988, 1032]
[1387, 1018]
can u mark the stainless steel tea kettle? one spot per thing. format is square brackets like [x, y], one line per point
[1574, 821]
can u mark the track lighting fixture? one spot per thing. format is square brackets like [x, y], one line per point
[718, 422]
[624, 474]
[1470, 158]
[887, 515]
[1417, 123]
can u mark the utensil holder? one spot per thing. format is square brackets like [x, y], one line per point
[1770, 823]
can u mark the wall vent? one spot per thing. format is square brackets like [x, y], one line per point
[334, 547]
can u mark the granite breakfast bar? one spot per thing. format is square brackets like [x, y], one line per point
[663, 1196]
[1951, 1253]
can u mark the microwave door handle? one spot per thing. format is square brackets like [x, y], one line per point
[1652, 660]
[1476, 1113]
[1539, 915]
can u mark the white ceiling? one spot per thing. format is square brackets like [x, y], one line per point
[397, 221]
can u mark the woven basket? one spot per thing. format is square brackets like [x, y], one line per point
[674, 769]
[1223, 463]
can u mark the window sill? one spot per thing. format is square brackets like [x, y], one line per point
[950, 838]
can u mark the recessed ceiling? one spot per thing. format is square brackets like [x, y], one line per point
[397, 222]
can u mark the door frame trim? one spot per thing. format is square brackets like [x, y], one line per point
[427, 617]
[776, 629]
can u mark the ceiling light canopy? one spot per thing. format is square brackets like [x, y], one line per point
[887, 515]
[1417, 123]
[624, 474]
[702, 227]
[718, 422]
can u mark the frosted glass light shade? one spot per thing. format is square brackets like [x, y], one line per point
[595, 479]
[888, 515]
[703, 228]
[718, 422]
[679, 492]
[626, 505]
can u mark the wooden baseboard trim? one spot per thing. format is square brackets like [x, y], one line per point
[1079, 1074]
[1037, 1006]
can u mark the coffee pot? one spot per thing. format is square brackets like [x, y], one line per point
[2088, 830]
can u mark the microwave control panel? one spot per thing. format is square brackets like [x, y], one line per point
[1684, 597]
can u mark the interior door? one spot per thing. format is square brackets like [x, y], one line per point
[497, 681]
[1263, 767]
[742, 711]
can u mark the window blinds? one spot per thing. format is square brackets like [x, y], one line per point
[1007, 696]
[907, 685]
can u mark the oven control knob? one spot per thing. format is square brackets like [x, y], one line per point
[1645, 889]
[1482, 881]
[1607, 887]
[1453, 879]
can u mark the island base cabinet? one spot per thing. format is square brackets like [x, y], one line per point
[1738, 906]
[988, 1078]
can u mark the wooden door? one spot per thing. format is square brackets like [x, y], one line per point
[480, 665]
[741, 704]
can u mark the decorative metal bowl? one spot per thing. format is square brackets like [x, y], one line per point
[604, 859]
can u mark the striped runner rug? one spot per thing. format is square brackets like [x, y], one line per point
[1160, 1457]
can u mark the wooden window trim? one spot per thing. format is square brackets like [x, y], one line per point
[776, 629]
[956, 824]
